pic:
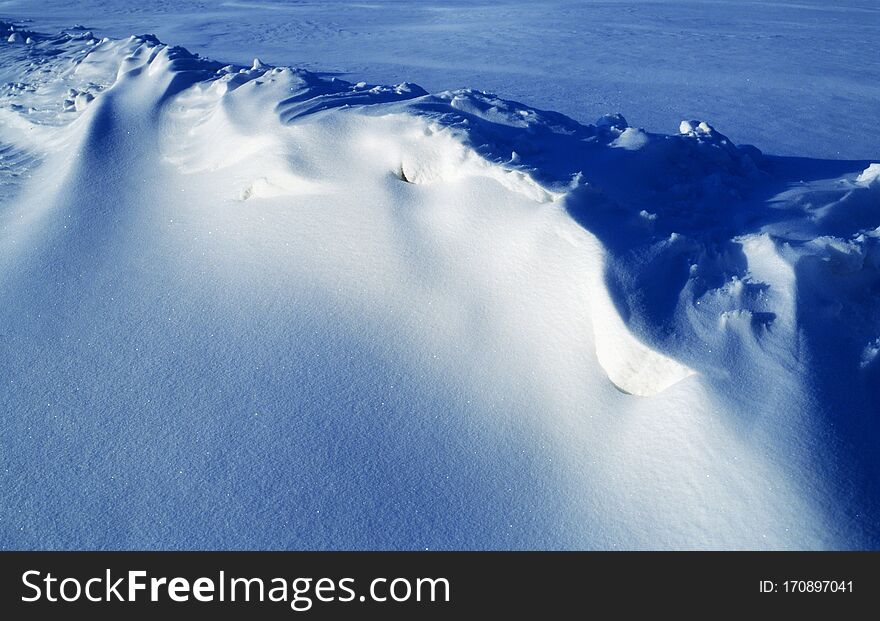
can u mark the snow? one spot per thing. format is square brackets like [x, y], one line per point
[255, 306]
[797, 78]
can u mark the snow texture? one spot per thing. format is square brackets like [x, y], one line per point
[253, 306]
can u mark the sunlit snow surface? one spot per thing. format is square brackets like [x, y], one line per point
[258, 307]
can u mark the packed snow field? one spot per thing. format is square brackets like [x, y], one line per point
[249, 306]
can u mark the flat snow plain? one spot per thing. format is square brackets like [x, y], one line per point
[254, 306]
[796, 78]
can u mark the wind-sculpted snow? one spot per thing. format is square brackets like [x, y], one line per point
[261, 307]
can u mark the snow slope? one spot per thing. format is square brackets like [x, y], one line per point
[255, 307]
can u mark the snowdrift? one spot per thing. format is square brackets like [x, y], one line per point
[252, 307]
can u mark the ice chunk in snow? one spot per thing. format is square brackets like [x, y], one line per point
[612, 121]
[631, 139]
[82, 100]
[695, 128]
[870, 176]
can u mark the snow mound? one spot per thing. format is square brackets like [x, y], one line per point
[251, 306]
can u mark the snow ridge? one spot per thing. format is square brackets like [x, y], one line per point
[675, 316]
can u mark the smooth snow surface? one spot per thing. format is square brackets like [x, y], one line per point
[257, 307]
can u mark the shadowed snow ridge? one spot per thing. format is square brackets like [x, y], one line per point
[294, 280]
